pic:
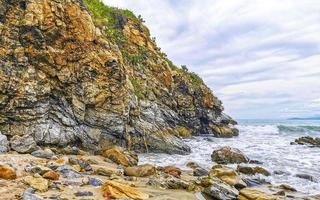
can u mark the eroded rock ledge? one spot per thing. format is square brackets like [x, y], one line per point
[70, 74]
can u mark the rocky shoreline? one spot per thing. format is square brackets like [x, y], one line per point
[116, 175]
[84, 88]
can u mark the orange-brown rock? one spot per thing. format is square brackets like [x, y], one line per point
[121, 157]
[255, 194]
[51, 175]
[140, 171]
[173, 171]
[7, 172]
[227, 175]
[116, 190]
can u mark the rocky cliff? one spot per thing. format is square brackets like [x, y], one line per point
[81, 73]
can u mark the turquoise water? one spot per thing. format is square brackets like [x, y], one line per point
[265, 140]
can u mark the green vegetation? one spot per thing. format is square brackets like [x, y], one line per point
[106, 16]
[138, 89]
[136, 58]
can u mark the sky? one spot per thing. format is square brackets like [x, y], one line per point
[260, 57]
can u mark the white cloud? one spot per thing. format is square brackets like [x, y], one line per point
[262, 58]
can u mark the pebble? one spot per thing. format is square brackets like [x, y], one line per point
[83, 193]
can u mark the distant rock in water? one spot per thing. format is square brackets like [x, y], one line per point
[307, 140]
[73, 74]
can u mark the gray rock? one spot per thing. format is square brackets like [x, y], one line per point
[94, 181]
[37, 169]
[68, 172]
[306, 176]
[307, 140]
[72, 183]
[166, 181]
[4, 144]
[228, 155]
[199, 171]
[83, 194]
[83, 164]
[23, 144]
[221, 191]
[43, 153]
[28, 194]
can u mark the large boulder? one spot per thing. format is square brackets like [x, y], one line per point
[23, 144]
[228, 155]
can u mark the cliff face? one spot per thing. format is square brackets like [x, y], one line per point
[77, 72]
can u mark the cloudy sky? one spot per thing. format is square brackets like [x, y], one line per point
[261, 58]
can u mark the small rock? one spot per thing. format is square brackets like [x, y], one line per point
[217, 189]
[83, 194]
[47, 153]
[103, 171]
[200, 172]
[255, 162]
[7, 172]
[287, 187]
[51, 175]
[193, 165]
[4, 144]
[252, 170]
[228, 155]
[306, 176]
[38, 183]
[140, 171]
[173, 171]
[254, 194]
[252, 182]
[68, 172]
[72, 183]
[94, 181]
[71, 151]
[281, 193]
[28, 194]
[83, 164]
[37, 169]
[23, 144]
[227, 175]
[279, 172]
[121, 157]
[166, 181]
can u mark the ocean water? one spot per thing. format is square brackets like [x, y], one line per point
[267, 141]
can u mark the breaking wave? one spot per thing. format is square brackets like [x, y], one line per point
[298, 129]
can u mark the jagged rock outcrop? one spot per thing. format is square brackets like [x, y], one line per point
[77, 72]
